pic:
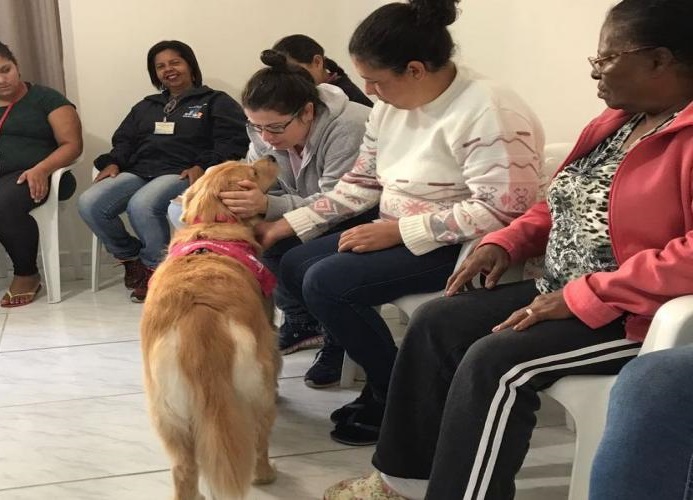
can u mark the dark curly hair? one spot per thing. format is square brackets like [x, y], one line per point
[657, 23]
[281, 87]
[180, 48]
[6, 53]
[398, 33]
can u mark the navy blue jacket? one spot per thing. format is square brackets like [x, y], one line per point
[209, 129]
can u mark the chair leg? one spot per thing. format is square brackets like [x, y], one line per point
[586, 398]
[47, 220]
[349, 368]
[74, 248]
[95, 263]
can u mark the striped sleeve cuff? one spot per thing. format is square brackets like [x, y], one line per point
[416, 235]
[305, 223]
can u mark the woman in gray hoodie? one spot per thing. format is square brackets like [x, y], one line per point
[314, 133]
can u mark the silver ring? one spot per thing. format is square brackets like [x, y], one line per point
[529, 311]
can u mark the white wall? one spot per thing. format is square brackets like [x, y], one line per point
[539, 47]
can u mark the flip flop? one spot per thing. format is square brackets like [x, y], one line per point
[7, 298]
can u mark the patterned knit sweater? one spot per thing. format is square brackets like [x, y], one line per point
[452, 170]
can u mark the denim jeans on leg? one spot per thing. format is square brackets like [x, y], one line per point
[145, 201]
[340, 290]
[647, 446]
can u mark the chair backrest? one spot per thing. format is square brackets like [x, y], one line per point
[554, 154]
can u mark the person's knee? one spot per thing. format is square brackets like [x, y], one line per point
[175, 210]
[87, 203]
[320, 284]
[647, 379]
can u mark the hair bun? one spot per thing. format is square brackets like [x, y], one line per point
[274, 59]
[435, 12]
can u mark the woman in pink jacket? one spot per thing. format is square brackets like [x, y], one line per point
[616, 230]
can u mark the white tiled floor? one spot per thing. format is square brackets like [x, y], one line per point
[73, 423]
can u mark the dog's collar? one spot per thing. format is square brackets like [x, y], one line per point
[241, 251]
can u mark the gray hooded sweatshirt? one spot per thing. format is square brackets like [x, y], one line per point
[330, 151]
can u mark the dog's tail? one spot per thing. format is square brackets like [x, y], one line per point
[204, 392]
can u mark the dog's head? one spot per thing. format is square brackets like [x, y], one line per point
[201, 203]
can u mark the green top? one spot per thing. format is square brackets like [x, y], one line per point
[26, 138]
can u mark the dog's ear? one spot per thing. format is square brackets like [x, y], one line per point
[201, 201]
[265, 173]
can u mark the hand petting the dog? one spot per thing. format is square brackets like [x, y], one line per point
[192, 173]
[268, 233]
[247, 203]
[370, 237]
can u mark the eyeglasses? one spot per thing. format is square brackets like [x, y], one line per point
[273, 128]
[598, 62]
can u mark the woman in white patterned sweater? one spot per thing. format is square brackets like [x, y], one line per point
[448, 157]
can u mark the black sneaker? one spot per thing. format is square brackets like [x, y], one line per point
[327, 366]
[362, 428]
[295, 336]
[341, 415]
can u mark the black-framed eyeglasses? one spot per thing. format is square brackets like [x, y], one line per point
[273, 128]
[598, 62]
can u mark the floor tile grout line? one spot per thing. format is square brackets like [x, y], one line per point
[86, 398]
[82, 480]
[157, 471]
[69, 346]
[58, 401]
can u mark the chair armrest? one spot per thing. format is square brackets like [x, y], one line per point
[55, 177]
[671, 326]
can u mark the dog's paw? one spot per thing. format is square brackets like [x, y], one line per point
[265, 474]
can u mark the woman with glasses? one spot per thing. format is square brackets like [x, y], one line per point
[447, 157]
[164, 144]
[314, 133]
[617, 235]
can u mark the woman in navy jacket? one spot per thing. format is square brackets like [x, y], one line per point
[164, 144]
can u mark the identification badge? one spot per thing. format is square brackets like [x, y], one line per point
[164, 128]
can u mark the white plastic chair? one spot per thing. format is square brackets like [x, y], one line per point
[46, 217]
[554, 154]
[586, 397]
[95, 262]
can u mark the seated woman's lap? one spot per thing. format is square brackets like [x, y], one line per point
[371, 278]
[15, 198]
[153, 198]
[110, 196]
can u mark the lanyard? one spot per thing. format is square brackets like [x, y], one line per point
[5, 114]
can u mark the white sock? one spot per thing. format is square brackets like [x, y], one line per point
[413, 489]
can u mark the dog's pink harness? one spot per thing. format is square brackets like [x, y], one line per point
[241, 251]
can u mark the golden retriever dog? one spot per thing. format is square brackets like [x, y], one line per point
[209, 346]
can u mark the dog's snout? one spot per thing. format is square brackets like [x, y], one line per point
[271, 158]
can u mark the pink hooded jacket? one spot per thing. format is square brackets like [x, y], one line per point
[650, 222]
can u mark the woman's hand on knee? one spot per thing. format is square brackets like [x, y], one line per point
[370, 237]
[544, 307]
[111, 170]
[192, 174]
[490, 260]
[37, 179]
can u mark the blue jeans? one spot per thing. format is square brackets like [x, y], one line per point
[145, 201]
[340, 290]
[647, 446]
